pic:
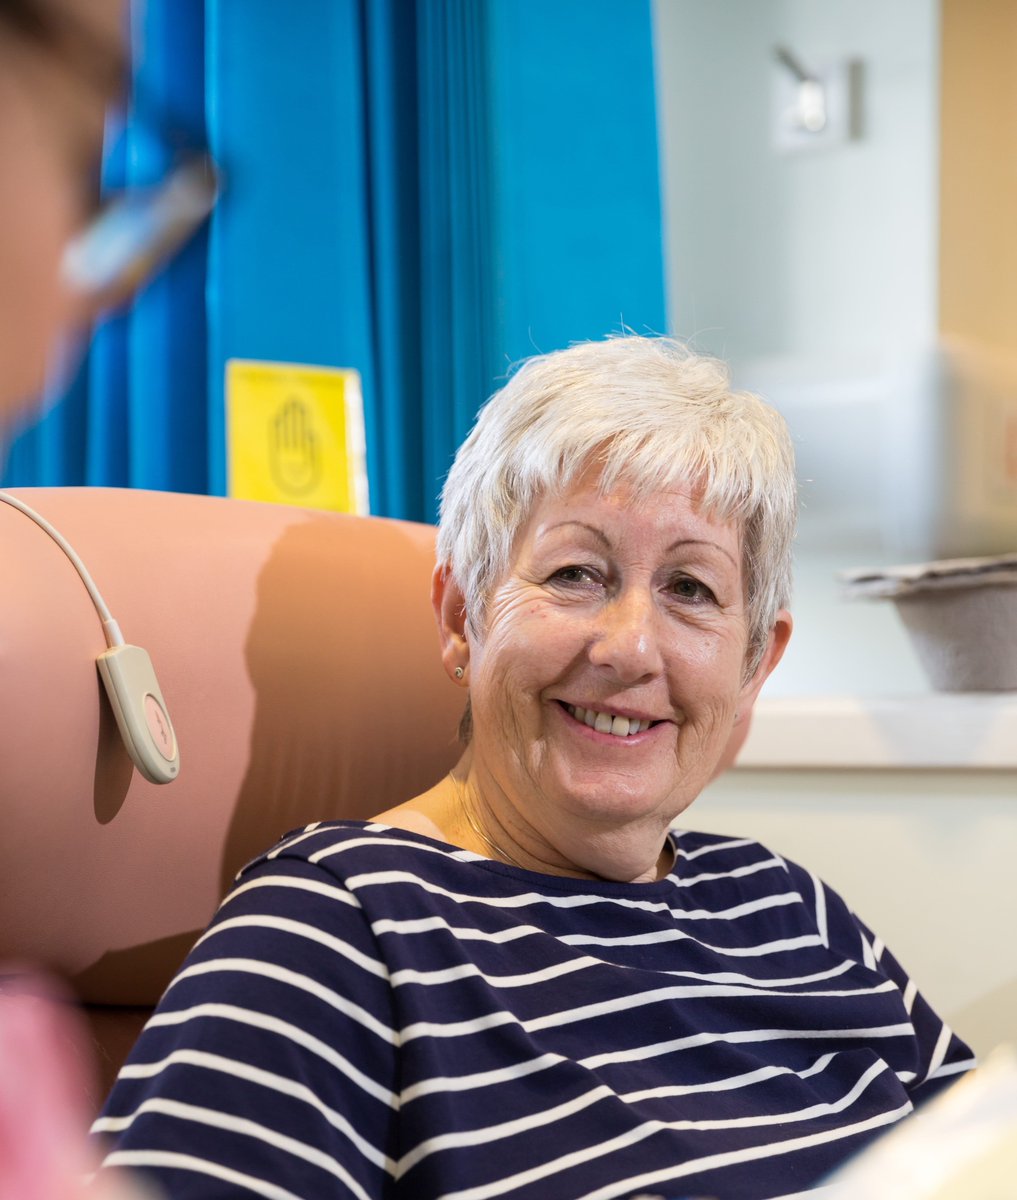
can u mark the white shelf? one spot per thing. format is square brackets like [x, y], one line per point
[955, 730]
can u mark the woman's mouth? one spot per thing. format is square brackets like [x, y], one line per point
[604, 722]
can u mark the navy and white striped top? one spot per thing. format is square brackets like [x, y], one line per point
[375, 1014]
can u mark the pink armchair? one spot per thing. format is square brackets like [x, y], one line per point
[297, 655]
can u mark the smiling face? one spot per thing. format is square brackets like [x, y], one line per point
[608, 677]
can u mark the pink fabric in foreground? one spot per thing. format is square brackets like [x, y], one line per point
[45, 1065]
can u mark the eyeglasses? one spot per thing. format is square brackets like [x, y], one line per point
[136, 230]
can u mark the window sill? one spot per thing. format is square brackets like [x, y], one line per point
[976, 731]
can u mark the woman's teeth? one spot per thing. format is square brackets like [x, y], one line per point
[604, 722]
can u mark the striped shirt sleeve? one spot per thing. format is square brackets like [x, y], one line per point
[939, 1056]
[229, 1045]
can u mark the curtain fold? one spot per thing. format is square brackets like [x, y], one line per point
[166, 337]
[457, 316]
[289, 259]
[105, 379]
[395, 412]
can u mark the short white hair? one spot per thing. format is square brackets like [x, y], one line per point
[648, 412]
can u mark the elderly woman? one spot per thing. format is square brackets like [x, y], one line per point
[525, 982]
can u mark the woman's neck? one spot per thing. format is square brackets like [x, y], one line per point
[457, 811]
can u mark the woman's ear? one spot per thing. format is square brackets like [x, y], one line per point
[449, 605]
[776, 644]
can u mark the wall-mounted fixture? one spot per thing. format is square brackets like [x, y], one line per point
[816, 108]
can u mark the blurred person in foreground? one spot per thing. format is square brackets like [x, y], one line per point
[62, 62]
[528, 982]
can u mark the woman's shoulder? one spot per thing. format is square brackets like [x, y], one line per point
[358, 854]
[743, 860]
[345, 868]
[342, 846]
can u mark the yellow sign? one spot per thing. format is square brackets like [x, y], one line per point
[295, 435]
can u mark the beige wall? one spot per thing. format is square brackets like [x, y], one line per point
[978, 171]
[827, 254]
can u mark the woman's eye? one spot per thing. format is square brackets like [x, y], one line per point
[580, 575]
[684, 587]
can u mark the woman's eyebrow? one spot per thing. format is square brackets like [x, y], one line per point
[599, 534]
[702, 542]
[605, 541]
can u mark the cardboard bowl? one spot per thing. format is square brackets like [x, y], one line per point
[965, 638]
[961, 616]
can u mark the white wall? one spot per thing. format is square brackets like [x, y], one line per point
[830, 253]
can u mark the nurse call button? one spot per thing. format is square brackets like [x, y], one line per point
[159, 727]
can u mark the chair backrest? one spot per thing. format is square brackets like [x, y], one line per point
[298, 658]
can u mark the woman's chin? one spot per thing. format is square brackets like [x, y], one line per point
[615, 799]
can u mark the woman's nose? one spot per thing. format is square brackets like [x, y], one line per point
[627, 638]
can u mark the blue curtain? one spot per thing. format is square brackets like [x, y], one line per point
[579, 241]
[424, 190]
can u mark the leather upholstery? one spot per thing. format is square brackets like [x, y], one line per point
[297, 654]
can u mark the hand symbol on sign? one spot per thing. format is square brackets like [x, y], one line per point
[293, 453]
